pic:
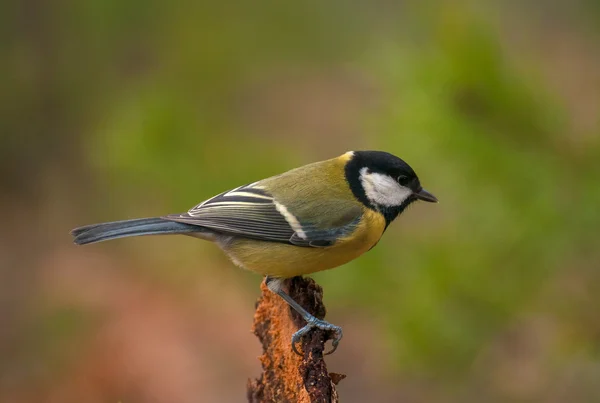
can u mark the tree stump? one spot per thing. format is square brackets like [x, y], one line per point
[286, 376]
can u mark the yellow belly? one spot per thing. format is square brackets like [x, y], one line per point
[284, 260]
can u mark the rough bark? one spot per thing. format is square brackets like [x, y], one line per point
[286, 376]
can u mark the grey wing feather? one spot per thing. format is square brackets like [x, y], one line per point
[320, 238]
[245, 211]
[251, 212]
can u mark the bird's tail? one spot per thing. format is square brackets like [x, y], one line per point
[120, 229]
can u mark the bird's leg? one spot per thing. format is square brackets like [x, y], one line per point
[276, 286]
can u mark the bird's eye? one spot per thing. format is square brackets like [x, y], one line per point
[403, 180]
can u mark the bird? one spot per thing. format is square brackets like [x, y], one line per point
[312, 218]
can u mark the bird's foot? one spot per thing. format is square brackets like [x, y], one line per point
[312, 323]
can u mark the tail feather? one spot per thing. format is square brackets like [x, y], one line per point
[120, 229]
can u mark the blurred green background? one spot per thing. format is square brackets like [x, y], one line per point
[121, 109]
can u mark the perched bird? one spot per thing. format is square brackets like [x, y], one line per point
[312, 218]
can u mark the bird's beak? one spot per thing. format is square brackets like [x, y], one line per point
[426, 196]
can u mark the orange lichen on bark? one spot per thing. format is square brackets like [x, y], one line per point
[288, 377]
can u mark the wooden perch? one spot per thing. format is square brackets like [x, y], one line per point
[288, 377]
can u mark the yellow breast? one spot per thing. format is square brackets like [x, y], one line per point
[284, 260]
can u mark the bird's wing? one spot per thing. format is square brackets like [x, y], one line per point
[251, 212]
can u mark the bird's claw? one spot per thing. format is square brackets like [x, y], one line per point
[319, 324]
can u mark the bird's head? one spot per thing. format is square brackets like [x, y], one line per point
[384, 182]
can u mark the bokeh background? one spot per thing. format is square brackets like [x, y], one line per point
[115, 109]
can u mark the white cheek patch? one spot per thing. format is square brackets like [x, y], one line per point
[382, 189]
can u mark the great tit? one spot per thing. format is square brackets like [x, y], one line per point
[312, 218]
